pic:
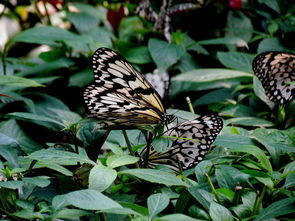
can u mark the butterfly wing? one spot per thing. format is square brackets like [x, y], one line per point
[121, 96]
[276, 70]
[161, 82]
[191, 145]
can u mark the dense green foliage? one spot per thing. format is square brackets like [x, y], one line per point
[52, 165]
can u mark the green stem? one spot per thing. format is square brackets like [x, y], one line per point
[129, 146]
[190, 106]
[212, 188]
[46, 12]
[258, 202]
[238, 190]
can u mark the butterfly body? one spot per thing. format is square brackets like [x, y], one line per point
[276, 71]
[120, 95]
[191, 142]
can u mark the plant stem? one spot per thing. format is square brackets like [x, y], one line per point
[46, 12]
[129, 146]
[212, 187]
[190, 106]
[258, 202]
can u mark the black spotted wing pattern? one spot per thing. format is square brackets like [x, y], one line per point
[192, 142]
[120, 95]
[276, 71]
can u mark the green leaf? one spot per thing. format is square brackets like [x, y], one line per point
[12, 184]
[138, 55]
[130, 27]
[271, 44]
[176, 217]
[226, 40]
[163, 53]
[70, 213]
[123, 211]
[20, 82]
[87, 199]
[207, 75]
[100, 178]
[278, 208]
[37, 181]
[54, 156]
[25, 214]
[260, 92]
[157, 203]
[48, 35]
[256, 152]
[249, 121]
[239, 25]
[82, 21]
[219, 213]
[202, 196]
[81, 78]
[236, 60]
[120, 160]
[155, 176]
[11, 132]
[231, 140]
[9, 153]
[33, 117]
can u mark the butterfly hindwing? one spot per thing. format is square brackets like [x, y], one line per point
[192, 142]
[276, 71]
[121, 96]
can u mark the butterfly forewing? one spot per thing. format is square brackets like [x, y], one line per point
[190, 145]
[121, 96]
[276, 71]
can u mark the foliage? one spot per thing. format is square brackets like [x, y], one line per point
[55, 163]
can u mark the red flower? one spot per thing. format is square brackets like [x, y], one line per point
[115, 17]
[235, 4]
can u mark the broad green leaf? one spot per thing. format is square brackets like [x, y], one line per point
[37, 181]
[70, 213]
[35, 117]
[238, 110]
[82, 21]
[249, 121]
[9, 153]
[25, 214]
[256, 152]
[130, 27]
[60, 157]
[100, 178]
[236, 60]
[138, 55]
[176, 217]
[88, 199]
[232, 140]
[271, 44]
[278, 208]
[157, 203]
[12, 184]
[259, 91]
[11, 131]
[227, 40]
[202, 196]
[120, 160]
[20, 82]
[102, 36]
[207, 75]
[48, 35]
[163, 53]
[81, 78]
[47, 67]
[123, 211]
[239, 25]
[155, 176]
[219, 213]
[218, 95]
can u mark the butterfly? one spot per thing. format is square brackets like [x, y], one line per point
[276, 71]
[121, 96]
[192, 141]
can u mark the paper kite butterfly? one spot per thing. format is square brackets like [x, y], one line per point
[276, 71]
[120, 95]
[192, 142]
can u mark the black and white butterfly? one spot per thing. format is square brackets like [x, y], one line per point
[121, 96]
[192, 142]
[160, 81]
[276, 71]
